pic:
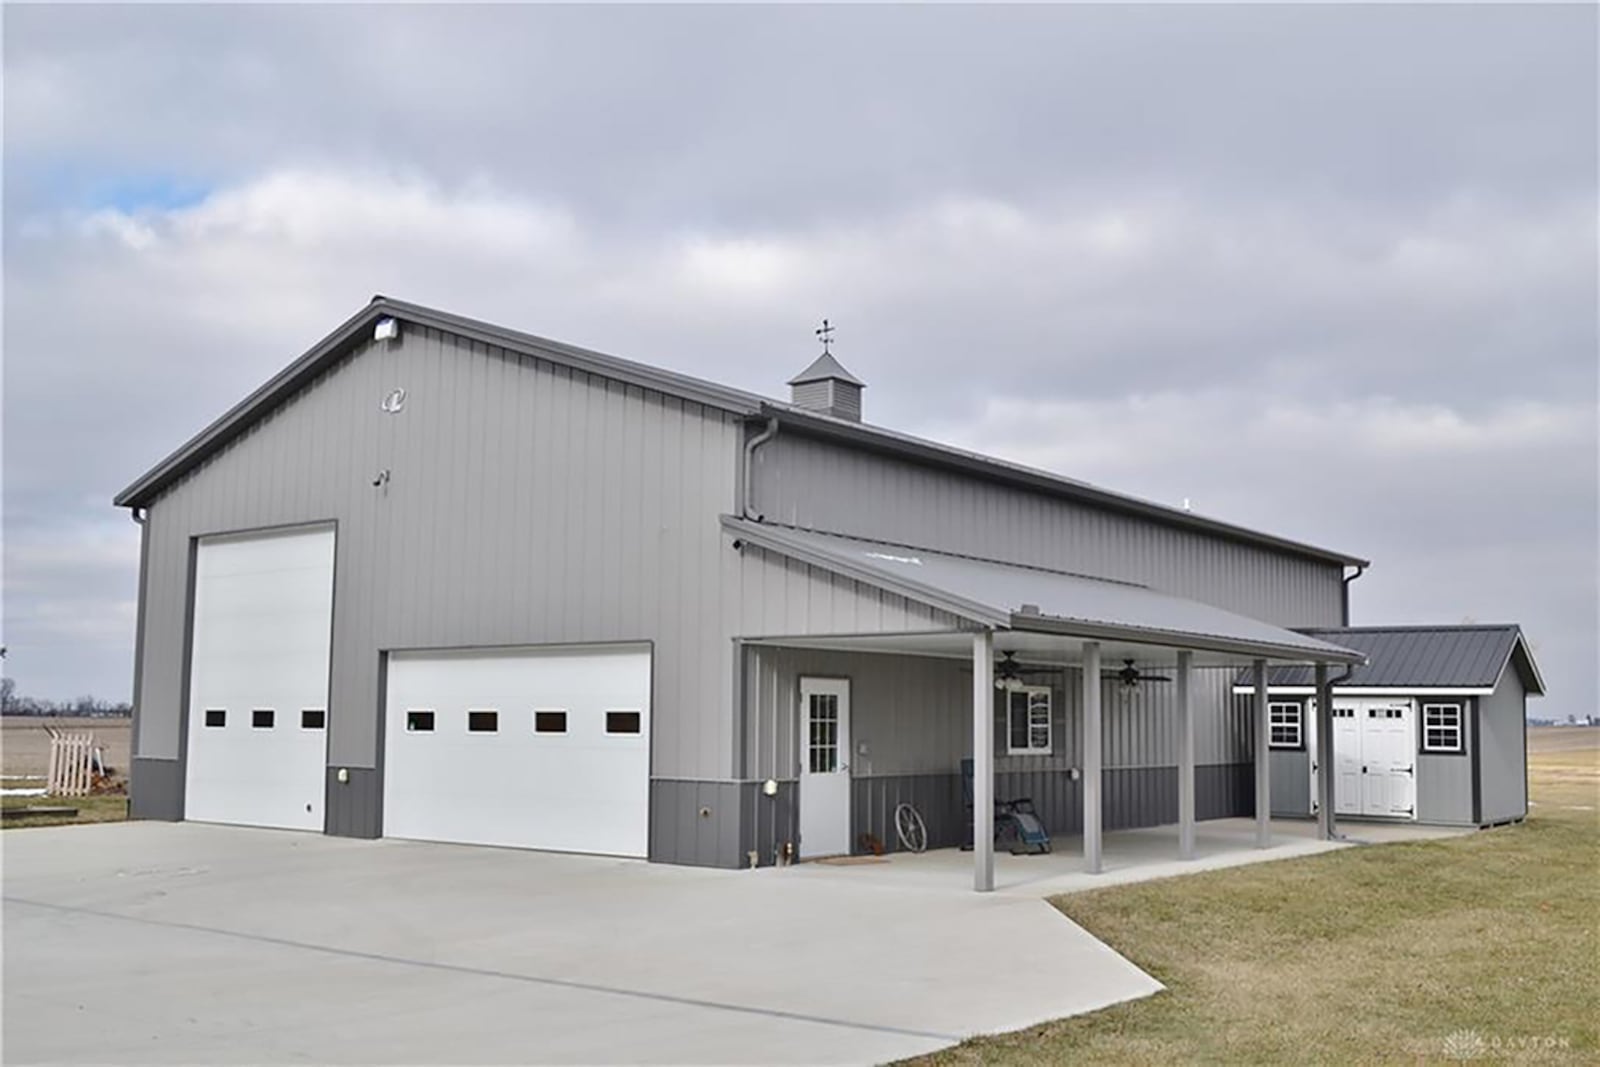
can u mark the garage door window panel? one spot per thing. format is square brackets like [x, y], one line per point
[623, 722]
[550, 721]
[482, 721]
[262, 718]
[313, 719]
[419, 721]
[216, 717]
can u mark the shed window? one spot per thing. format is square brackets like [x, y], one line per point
[1028, 722]
[1283, 725]
[1441, 728]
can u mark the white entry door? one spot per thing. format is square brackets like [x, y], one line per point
[258, 681]
[1375, 758]
[824, 767]
[545, 748]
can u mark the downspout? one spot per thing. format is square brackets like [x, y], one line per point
[747, 493]
[1325, 750]
[1361, 568]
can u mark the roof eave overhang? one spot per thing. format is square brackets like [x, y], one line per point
[1520, 644]
[195, 450]
[1269, 651]
[1370, 690]
[881, 440]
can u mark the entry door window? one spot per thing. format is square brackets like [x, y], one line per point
[823, 738]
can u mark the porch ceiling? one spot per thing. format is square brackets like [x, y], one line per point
[1046, 615]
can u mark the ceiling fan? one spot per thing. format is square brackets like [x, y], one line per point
[1130, 676]
[1008, 673]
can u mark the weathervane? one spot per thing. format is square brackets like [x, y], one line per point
[825, 335]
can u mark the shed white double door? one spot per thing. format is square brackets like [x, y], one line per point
[545, 748]
[258, 678]
[1375, 758]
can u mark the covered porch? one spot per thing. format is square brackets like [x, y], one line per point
[1163, 664]
[1128, 856]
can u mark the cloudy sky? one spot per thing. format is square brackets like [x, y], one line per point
[1331, 271]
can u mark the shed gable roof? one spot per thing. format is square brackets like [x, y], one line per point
[357, 329]
[1423, 657]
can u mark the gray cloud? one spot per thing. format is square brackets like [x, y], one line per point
[1330, 271]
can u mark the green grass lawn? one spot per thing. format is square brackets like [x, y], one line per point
[1481, 947]
[109, 807]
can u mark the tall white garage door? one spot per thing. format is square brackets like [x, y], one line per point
[258, 685]
[532, 748]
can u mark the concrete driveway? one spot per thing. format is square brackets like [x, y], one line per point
[183, 943]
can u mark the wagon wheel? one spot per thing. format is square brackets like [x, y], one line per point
[909, 828]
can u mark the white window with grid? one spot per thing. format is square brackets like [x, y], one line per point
[1028, 722]
[1284, 725]
[1442, 728]
[823, 742]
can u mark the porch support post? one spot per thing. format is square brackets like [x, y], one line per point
[1185, 756]
[1263, 760]
[983, 761]
[1091, 757]
[1325, 761]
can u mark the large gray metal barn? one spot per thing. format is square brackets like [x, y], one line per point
[447, 581]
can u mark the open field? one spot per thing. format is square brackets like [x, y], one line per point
[25, 747]
[26, 756]
[1483, 946]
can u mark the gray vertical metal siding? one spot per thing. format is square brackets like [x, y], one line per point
[698, 822]
[914, 714]
[1502, 751]
[528, 504]
[1444, 789]
[1291, 782]
[155, 789]
[823, 485]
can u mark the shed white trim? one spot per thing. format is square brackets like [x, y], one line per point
[1366, 691]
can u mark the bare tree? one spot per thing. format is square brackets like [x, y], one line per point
[8, 694]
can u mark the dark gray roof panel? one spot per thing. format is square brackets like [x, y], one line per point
[1427, 657]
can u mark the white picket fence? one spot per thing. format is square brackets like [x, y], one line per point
[73, 758]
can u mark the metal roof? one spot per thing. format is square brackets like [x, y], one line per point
[356, 331]
[825, 368]
[1423, 657]
[1008, 596]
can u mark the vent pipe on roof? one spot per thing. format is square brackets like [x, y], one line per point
[825, 386]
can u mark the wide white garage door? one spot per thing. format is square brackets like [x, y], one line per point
[533, 748]
[258, 687]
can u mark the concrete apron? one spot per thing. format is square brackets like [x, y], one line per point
[186, 943]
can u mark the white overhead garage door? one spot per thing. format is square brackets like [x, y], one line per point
[258, 685]
[532, 748]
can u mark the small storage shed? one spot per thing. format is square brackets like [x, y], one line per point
[1433, 729]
